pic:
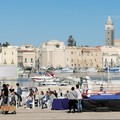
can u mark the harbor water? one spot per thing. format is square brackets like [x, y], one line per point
[98, 76]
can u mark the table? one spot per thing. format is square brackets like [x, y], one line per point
[60, 104]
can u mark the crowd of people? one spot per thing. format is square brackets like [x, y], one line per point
[10, 95]
[43, 99]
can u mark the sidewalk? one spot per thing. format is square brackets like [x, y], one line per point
[47, 114]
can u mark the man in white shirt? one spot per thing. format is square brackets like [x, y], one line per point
[79, 98]
[72, 96]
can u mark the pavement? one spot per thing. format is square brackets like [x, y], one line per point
[47, 114]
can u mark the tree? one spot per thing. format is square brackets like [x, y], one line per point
[5, 44]
[71, 41]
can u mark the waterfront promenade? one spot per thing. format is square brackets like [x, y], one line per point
[47, 114]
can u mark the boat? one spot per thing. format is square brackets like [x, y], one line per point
[49, 83]
[57, 71]
[67, 70]
[20, 71]
[41, 78]
[83, 70]
[112, 69]
[92, 70]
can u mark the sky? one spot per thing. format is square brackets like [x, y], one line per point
[38, 21]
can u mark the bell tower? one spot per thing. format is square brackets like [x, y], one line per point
[109, 32]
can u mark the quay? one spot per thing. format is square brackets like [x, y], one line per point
[47, 114]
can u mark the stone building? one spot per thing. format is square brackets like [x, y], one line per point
[91, 57]
[55, 53]
[11, 55]
[52, 53]
[110, 56]
[30, 56]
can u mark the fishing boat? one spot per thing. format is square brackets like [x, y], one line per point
[67, 70]
[112, 69]
[41, 78]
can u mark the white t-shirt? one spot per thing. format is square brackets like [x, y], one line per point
[79, 94]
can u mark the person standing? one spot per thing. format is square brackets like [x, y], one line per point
[79, 98]
[72, 96]
[19, 93]
[60, 94]
[4, 94]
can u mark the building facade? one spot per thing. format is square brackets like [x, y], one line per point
[117, 43]
[11, 55]
[71, 56]
[91, 57]
[110, 56]
[52, 53]
[55, 53]
[29, 56]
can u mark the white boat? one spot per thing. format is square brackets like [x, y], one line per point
[41, 78]
[67, 70]
[49, 83]
[112, 69]
[20, 71]
[82, 70]
[57, 71]
[92, 70]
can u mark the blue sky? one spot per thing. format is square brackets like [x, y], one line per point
[38, 21]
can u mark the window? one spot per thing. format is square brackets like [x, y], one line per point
[12, 62]
[12, 53]
[71, 52]
[91, 64]
[5, 62]
[4, 53]
[31, 60]
[27, 46]
[25, 60]
[72, 60]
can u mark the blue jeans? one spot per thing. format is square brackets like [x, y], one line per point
[79, 105]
